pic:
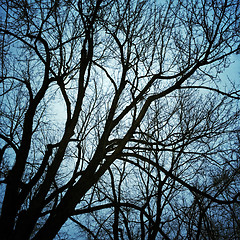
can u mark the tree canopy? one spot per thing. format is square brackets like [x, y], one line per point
[116, 119]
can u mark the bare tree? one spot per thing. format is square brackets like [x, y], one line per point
[114, 116]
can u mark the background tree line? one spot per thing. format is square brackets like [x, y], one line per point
[115, 119]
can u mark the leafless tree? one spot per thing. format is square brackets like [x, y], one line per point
[114, 116]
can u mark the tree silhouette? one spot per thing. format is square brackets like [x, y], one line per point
[114, 116]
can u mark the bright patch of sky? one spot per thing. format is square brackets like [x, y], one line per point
[233, 71]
